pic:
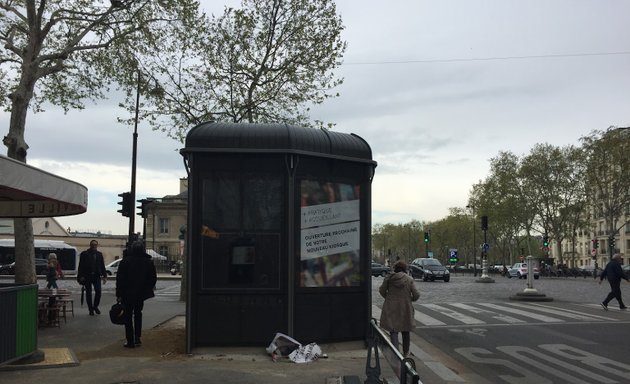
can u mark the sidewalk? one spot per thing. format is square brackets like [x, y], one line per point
[89, 349]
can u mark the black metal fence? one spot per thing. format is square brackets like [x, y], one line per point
[404, 368]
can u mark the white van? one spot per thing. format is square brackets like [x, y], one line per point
[112, 267]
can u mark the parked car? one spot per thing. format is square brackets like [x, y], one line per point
[429, 269]
[520, 270]
[380, 269]
[41, 267]
[112, 268]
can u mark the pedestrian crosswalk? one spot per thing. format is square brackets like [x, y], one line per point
[508, 313]
[168, 294]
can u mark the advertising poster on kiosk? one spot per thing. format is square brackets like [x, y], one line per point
[329, 234]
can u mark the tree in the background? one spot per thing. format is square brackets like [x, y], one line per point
[63, 52]
[392, 241]
[265, 62]
[453, 232]
[554, 177]
[501, 197]
[608, 176]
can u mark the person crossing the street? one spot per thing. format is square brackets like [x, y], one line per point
[614, 274]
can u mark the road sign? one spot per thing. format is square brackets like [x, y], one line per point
[453, 257]
[593, 252]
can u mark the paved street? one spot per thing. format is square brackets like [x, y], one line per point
[466, 332]
[472, 332]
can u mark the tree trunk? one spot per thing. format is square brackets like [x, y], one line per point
[24, 251]
[17, 149]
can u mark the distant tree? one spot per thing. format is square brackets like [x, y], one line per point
[265, 62]
[608, 176]
[62, 52]
[554, 177]
[501, 197]
[453, 232]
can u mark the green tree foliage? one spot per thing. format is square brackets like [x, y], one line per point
[502, 197]
[63, 52]
[608, 176]
[265, 62]
[555, 178]
[454, 232]
[404, 241]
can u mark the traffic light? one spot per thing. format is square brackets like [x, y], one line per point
[595, 243]
[545, 241]
[611, 241]
[143, 208]
[426, 237]
[484, 223]
[126, 204]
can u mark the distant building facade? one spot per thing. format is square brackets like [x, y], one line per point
[166, 218]
[48, 228]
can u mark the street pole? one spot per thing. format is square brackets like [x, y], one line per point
[474, 248]
[132, 212]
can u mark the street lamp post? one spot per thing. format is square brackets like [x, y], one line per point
[474, 248]
[134, 156]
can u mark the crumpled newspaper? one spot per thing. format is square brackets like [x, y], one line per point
[306, 353]
[283, 345]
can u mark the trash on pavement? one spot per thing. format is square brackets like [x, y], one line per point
[286, 346]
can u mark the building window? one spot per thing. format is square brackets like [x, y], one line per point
[163, 250]
[164, 225]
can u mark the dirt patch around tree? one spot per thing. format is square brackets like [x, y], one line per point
[166, 341]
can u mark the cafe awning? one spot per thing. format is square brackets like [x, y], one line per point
[26, 191]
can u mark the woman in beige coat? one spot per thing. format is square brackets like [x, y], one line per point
[399, 291]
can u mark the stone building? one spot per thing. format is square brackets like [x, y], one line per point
[165, 219]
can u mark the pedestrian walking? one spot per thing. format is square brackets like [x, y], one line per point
[614, 274]
[90, 274]
[399, 291]
[135, 282]
[53, 272]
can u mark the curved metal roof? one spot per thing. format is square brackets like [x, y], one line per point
[276, 138]
[26, 191]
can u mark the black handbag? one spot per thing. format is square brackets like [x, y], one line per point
[117, 314]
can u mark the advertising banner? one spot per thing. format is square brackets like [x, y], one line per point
[330, 238]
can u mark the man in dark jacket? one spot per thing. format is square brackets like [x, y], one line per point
[90, 273]
[614, 274]
[135, 281]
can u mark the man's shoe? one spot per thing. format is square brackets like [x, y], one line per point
[98, 311]
[91, 313]
[128, 345]
[138, 342]
[605, 306]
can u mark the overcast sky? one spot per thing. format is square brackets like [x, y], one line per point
[437, 88]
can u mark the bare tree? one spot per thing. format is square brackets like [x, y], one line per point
[63, 52]
[265, 62]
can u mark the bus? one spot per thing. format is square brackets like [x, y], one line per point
[67, 255]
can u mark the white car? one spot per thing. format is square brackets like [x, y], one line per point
[520, 270]
[112, 267]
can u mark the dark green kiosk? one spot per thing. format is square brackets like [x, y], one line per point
[278, 239]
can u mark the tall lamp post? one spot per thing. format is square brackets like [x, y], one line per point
[134, 157]
[474, 248]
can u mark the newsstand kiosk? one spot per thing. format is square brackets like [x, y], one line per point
[278, 239]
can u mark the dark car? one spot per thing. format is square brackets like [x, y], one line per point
[429, 269]
[41, 267]
[380, 269]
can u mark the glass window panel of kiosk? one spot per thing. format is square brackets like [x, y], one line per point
[329, 245]
[241, 221]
